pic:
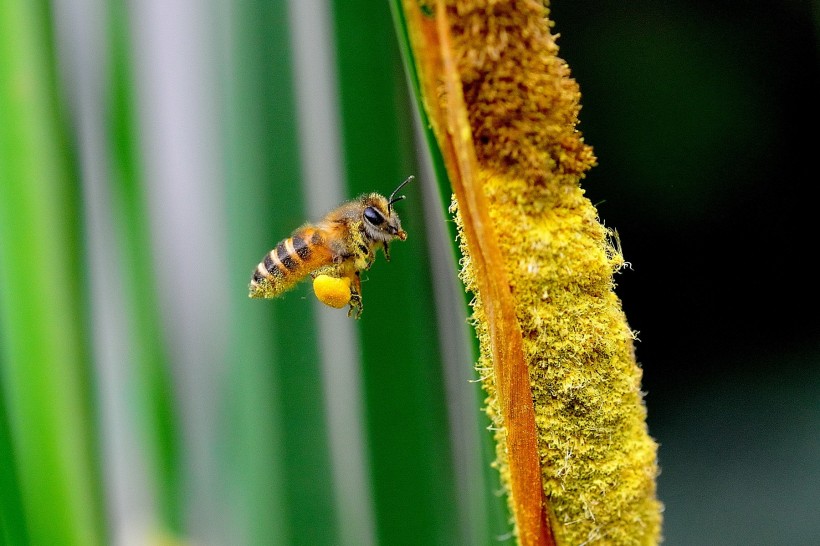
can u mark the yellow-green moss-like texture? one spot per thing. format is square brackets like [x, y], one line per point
[597, 460]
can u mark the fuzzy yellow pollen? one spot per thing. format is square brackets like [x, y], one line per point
[578, 463]
[332, 291]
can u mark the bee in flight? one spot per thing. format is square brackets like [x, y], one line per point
[334, 251]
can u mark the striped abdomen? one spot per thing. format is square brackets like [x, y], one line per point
[289, 262]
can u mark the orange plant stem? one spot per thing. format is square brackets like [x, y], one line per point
[430, 38]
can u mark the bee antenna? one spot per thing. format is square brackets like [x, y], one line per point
[390, 201]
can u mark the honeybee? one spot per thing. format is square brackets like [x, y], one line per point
[334, 250]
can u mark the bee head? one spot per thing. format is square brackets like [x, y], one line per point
[381, 223]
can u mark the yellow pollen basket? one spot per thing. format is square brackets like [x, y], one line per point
[332, 291]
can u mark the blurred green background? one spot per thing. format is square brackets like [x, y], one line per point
[152, 151]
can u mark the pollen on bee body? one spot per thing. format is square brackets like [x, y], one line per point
[332, 291]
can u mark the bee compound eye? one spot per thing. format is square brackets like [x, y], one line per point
[373, 216]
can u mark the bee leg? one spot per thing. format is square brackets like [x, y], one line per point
[355, 310]
[355, 297]
[386, 251]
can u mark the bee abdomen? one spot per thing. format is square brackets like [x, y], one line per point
[287, 263]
